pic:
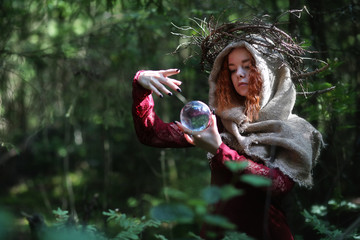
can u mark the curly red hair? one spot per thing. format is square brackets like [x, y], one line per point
[227, 97]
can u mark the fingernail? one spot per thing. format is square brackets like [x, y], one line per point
[179, 90]
[161, 96]
[170, 94]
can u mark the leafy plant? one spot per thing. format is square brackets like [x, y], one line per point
[130, 228]
[327, 231]
[66, 228]
[183, 209]
[321, 226]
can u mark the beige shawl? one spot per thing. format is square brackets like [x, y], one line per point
[297, 143]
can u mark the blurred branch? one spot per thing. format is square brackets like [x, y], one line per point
[316, 71]
[315, 93]
[8, 155]
[350, 229]
[16, 150]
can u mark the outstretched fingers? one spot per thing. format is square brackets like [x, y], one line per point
[158, 84]
[156, 91]
[159, 81]
[170, 82]
[170, 72]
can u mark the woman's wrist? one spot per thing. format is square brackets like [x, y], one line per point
[137, 75]
[216, 146]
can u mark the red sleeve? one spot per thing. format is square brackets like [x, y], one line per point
[281, 183]
[150, 129]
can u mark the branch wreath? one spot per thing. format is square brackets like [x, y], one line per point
[268, 39]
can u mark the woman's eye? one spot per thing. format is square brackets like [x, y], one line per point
[247, 67]
[232, 71]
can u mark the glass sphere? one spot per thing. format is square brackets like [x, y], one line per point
[195, 115]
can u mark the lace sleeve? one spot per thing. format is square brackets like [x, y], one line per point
[281, 183]
[150, 129]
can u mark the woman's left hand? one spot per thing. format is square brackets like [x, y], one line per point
[208, 139]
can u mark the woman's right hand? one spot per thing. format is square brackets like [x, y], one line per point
[208, 139]
[157, 80]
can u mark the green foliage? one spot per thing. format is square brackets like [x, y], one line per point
[219, 221]
[184, 209]
[235, 166]
[73, 234]
[130, 228]
[192, 209]
[236, 236]
[229, 191]
[61, 217]
[256, 180]
[323, 227]
[211, 194]
[172, 212]
[317, 219]
[65, 228]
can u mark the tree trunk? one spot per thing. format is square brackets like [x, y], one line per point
[319, 41]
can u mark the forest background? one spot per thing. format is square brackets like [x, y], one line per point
[66, 132]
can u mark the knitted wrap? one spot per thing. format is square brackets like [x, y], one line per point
[297, 143]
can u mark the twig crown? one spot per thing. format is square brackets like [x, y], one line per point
[267, 38]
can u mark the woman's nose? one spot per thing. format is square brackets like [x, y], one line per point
[241, 72]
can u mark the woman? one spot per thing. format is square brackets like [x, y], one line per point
[253, 98]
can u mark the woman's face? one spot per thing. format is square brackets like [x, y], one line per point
[239, 66]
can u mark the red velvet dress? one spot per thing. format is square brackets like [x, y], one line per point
[247, 211]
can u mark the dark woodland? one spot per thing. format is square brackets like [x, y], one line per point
[71, 166]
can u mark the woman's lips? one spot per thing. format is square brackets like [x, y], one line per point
[242, 84]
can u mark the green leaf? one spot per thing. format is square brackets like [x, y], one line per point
[237, 236]
[236, 166]
[211, 194]
[194, 236]
[220, 221]
[229, 191]
[60, 212]
[127, 236]
[172, 212]
[255, 180]
[159, 236]
[175, 193]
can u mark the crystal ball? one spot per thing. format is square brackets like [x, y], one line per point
[195, 115]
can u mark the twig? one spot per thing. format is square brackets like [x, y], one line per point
[317, 92]
[304, 75]
[350, 229]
